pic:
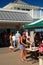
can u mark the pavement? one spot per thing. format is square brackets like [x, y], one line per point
[13, 58]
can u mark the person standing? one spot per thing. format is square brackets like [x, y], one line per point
[11, 48]
[23, 46]
[17, 36]
[10, 38]
[14, 40]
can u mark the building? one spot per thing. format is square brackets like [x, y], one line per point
[17, 12]
[20, 5]
[13, 18]
[15, 15]
[34, 11]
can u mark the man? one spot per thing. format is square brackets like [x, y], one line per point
[17, 36]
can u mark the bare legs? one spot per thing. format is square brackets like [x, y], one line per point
[23, 55]
[25, 52]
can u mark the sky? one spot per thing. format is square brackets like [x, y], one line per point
[31, 2]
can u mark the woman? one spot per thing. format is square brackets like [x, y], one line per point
[10, 38]
[11, 48]
[23, 45]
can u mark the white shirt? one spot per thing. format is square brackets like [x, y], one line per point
[13, 38]
[17, 35]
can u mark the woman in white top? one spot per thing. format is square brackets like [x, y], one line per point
[14, 40]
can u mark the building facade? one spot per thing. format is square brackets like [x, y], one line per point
[35, 11]
[14, 15]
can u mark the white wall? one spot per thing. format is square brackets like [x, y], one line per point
[36, 13]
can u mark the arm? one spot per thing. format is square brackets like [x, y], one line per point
[28, 41]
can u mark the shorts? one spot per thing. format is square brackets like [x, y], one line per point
[22, 47]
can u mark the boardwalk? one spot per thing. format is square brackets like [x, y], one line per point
[7, 58]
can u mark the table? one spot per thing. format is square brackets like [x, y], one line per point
[33, 51]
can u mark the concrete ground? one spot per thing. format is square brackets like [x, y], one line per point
[8, 58]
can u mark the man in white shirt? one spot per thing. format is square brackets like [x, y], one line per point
[17, 36]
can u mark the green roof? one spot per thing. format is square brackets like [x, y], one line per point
[34, 24]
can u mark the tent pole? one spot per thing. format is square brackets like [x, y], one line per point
[32, 36]
[27, 33]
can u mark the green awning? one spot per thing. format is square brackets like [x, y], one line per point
[35, 24]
